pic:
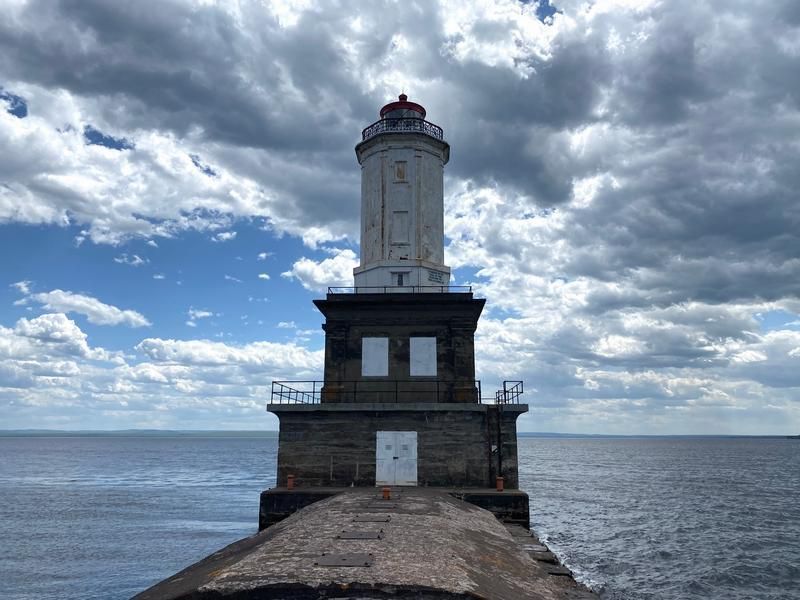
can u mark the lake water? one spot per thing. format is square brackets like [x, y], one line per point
[104, 517]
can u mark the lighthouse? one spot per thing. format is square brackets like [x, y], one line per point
[402, 158]
[399, 403]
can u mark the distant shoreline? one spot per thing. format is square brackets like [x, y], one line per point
[270, 434]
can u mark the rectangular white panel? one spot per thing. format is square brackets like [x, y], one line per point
[422, 356]
[374, 356]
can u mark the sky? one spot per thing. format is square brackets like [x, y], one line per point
[178, 183]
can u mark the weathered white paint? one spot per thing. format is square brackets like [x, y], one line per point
[422, 357]
[418, 273]
[395, 458]
[375, 356]
[402, 209]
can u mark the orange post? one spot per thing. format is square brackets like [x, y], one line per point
[290, 482]
[387, 493]
[500, 484]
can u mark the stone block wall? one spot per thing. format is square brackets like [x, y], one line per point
[334, 445]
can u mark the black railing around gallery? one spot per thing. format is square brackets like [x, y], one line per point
[381, 390]
[403, 125]
[402, 289]
[390, 390]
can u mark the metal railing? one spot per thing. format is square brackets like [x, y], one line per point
[403, 125]
[365, 390]
[390, 390]
[402, 289]
[510, 394]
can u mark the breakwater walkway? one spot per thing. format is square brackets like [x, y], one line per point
[421, 543]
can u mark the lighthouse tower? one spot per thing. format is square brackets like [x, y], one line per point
[402, 158]
[399, 403]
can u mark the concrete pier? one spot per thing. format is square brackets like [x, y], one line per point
[422, 543]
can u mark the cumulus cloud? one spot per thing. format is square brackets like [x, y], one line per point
[258, 355]
[337, 270]
[97, 312]
[48, 335]
[47, 362]
[264, 276]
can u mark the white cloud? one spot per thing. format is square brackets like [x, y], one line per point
[195, 314]
[261, 355]
[287, 325]
[152, 243]
[23, 287]
[264, 255]
[329, 272]
[224, 236]
[47, 365]
[97, 312]
[133, 260]
[232, 278]
[52, 334]
[159, 276]
[263, 276]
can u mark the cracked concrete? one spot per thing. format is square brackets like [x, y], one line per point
[432, 546]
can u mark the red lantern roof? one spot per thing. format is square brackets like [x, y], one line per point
[403, 104]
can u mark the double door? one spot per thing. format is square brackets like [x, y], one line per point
[396, 458]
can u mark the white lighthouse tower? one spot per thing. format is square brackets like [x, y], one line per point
[402, 158]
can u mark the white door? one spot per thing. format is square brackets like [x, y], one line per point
[396, 458]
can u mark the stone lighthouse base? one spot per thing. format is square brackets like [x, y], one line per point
[460, 449]
[457, 445]
[509, 506]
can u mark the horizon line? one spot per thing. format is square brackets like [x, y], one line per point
[44, 431]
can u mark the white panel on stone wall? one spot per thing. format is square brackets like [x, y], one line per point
[375, 356]
[423, 356]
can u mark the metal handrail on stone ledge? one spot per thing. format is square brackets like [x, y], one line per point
[310, 392]
[387, 390]
[510, 394]
[403, 289]
[402, 125]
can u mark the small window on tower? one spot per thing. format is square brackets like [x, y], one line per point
[399, 279]
[400, 170]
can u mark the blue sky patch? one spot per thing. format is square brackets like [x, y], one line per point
[15, 105]
[96, 137]
[544, 10]
[202, 166]
[168, 283]
[778, 319]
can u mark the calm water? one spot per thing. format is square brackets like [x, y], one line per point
[674, 519]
